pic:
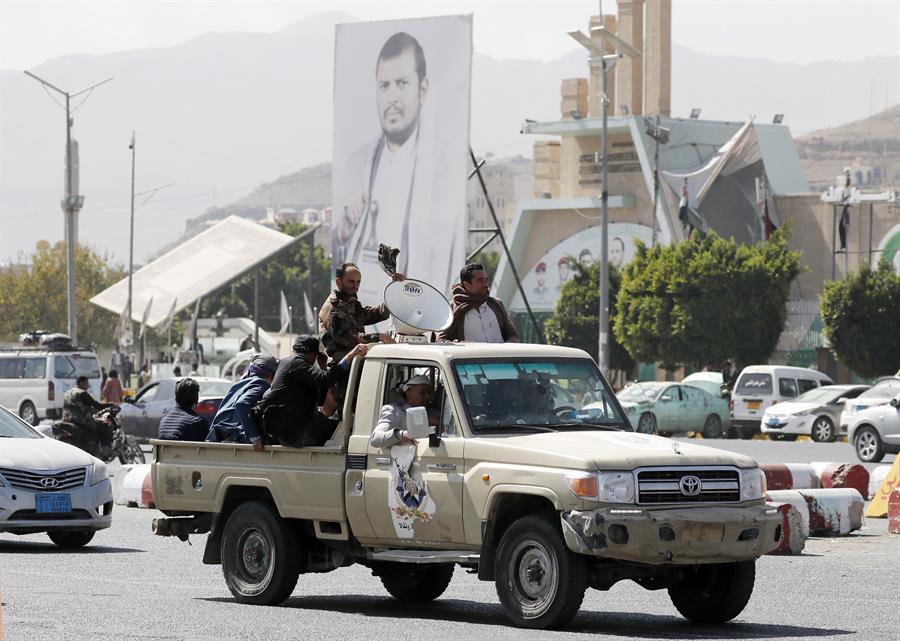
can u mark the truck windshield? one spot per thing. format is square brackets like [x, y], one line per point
[537, 395]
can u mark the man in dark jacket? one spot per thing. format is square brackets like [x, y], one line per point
[477, 316]
[182, 423]
[234, 422]
[289, 408]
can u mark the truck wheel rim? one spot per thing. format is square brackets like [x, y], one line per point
[28, 415]
[866, 444]
[255, 555]
[535, 577]
[823, 430]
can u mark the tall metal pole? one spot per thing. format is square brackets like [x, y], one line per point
[131, 244]
[655, 181]
[603, 347]
[69, 213]
[256, 307]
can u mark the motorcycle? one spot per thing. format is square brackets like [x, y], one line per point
[122, 446]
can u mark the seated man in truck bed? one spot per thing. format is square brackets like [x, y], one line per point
[290, 407]
[182, 423]
[234, 421]
[391, 427]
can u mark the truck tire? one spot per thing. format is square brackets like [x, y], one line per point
[714, 593]
[260, 555]
[417, 584]
[71, 538]
[540, 582]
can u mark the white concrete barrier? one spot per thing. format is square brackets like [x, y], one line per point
[133, 493]
[876, 478]
[118, 480]
[834, 511]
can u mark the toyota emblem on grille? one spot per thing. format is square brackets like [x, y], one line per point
[690, 485]
[49, 482]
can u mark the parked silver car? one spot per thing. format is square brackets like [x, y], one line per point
[872, 420]
[816, 413]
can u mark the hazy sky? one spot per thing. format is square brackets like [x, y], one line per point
[803, 31]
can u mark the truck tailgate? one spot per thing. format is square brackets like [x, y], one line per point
[305, 483]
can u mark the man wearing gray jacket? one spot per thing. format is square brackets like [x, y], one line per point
[390, 429]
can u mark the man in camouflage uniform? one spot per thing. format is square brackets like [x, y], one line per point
[343, 318]
[79, 408]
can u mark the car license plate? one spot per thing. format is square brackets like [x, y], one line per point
[52, 503]
[753, 405]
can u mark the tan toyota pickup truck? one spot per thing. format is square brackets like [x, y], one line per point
[532, 477]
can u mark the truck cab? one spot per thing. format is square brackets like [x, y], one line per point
[532, 477]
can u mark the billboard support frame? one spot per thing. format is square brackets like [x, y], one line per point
[498, 233]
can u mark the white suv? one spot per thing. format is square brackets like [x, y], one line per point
[49, 486]
[33, 380]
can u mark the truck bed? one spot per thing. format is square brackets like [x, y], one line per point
[195, 477]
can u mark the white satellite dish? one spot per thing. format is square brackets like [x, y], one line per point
[417, 307]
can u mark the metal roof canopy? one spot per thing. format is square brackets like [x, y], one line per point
[196, 268]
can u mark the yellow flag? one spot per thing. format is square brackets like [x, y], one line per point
[878, 508]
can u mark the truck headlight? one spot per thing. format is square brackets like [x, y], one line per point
[99, 473]
[616, 487]
[753, 484]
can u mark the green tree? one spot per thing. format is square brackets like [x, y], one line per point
[33, 294]
[289, 272]
[575, 321]
[861, 314]
[706, 300]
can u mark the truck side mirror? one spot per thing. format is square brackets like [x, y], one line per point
[895, 402]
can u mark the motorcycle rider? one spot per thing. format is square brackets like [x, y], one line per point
[79, 408]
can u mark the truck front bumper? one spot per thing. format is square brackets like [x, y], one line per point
[675, 535]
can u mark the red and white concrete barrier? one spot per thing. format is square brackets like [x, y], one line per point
[843, 475]
[894, 512]
[830, 512]
[793, 526]
[134, 490]
[790, 476]
[798, 502]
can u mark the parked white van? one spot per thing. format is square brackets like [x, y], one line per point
[34, 380]
[761, 386]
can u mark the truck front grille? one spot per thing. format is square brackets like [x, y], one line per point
[658, 486]
[35, 481]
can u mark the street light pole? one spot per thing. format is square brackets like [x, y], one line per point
[131, 244]
[71, 204]
[606, 60]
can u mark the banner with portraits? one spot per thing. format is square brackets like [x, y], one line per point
[544, 280]
[401, 144]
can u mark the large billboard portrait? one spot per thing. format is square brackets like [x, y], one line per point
[401, 144]
[546, 278]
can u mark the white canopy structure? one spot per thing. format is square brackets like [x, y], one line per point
[194, 269]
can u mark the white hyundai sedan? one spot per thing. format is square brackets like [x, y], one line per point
[50, 486]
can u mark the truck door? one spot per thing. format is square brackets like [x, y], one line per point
[413, 493]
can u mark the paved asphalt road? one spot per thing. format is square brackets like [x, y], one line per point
[130, 585]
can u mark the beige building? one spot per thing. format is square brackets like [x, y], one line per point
[508, 182]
